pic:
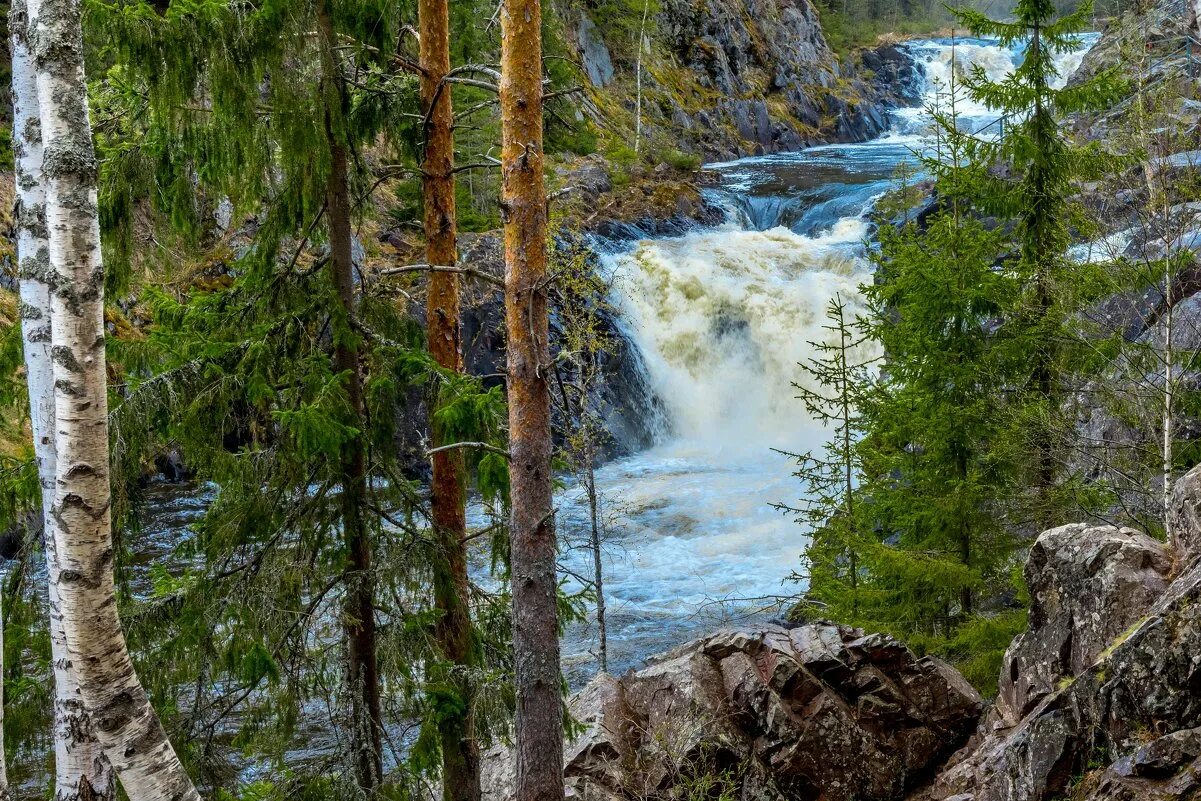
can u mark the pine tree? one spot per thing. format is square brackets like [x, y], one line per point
[460, 751]
[539, 714]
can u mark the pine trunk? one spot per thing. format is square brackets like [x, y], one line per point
[460, 752]
[82, 593]
[359, 610]
[539, 716]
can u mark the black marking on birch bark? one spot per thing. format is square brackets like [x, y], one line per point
[63, 356]
[32, 218]
[33, 129]
[81, 469]
[150, 740]
[29, 313]
[77, 501]
[115, 714]
[25, 180]
[68, 388]
[36, 267]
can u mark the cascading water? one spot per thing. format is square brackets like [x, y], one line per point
[721, 318]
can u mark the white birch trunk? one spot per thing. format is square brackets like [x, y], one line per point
[646, 4]
[81, 769]
[5, 795]
[125, 724]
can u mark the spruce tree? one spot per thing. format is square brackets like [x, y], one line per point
[1045, 165]
[836, 380]
[278, 370]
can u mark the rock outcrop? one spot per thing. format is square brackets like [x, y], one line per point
[1101, 699]
[815, 712]
[731, 78]
[1087, 585]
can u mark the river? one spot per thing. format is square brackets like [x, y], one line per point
[721, 317]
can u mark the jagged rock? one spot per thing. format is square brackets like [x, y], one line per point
[1166, 769]
[1081, 691]
[1185, 510]
[1087, 585]
[814, 712]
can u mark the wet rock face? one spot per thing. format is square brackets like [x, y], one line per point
[816, 712]
[1087, 584]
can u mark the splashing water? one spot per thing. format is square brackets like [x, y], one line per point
[721, 318]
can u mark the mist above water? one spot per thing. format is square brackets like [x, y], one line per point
[721, 317]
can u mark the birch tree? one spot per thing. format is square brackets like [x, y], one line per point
[453, 634]
[82, 591]
[81, 769]
[539, 715]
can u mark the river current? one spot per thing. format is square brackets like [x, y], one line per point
[721, 317]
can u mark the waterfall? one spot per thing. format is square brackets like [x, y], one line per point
[721, 318]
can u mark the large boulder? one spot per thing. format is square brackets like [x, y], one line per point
[816, 712]
[1146, 684]
[1185, 518]
[1101, 698]
[1087, 585]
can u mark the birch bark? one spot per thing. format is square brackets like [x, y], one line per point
[81, 771]
[124, 722]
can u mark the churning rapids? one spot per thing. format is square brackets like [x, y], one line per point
[721, 317]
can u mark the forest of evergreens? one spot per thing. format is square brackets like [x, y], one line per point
[254, 248]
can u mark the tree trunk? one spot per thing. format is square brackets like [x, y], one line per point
[359, 611]
[81, 769]
[539, 717]
[460, 751]
[646, 5]
[5, 795]
[598, 567]
[125, 724]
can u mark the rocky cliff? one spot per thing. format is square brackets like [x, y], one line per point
[731, 78]
[1101, 698]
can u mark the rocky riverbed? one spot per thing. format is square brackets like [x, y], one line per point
[1100, 699]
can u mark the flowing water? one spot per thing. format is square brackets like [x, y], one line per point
[721, 318]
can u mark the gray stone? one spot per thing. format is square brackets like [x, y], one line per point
[593, 52]
[817, 711]
[1087, 585]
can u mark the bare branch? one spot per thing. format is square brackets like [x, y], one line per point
[440, 268]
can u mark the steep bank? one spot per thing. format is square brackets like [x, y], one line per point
[723, 79]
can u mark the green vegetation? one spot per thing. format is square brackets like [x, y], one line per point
[946, 458]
